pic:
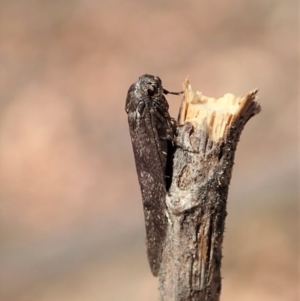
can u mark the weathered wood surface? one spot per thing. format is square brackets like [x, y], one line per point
[208, 134]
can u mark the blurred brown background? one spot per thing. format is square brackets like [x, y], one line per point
[70, 208]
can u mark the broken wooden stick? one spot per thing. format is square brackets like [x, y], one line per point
[208, 133]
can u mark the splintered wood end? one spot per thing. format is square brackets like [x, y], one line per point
[218, 114]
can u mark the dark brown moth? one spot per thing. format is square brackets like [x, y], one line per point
[152, 133]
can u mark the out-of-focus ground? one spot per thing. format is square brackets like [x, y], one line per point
[71, 215]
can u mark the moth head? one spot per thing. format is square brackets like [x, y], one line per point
[139, 92]
[151, 84]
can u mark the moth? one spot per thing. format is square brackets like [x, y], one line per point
[152, 132]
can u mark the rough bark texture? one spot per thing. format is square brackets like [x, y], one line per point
[196, 203]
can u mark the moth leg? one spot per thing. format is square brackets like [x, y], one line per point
[174, 93]
[167, 125]
[161, 118]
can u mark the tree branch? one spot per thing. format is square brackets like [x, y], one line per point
[208, 133]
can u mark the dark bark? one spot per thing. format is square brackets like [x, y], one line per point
[196, 204]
